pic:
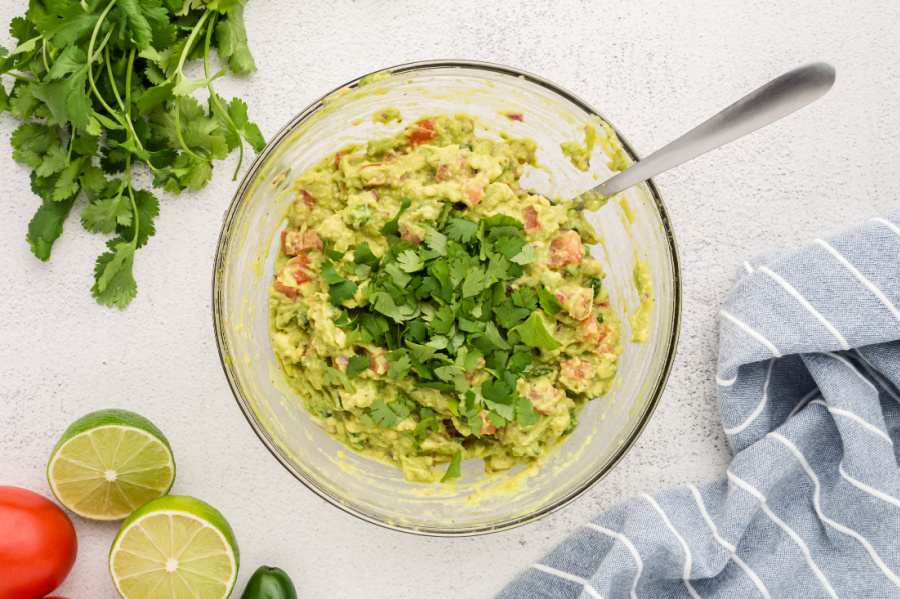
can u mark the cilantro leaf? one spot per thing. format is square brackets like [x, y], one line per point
[410, 261]
[525, 413]
[496, 419]
[363, 255]
[474, 282]
[233, 46]
[53, 162]
[103, 216]
[147, 210]
[519, 362]
[400, 365]
[392, 226]
[428, 421]
[437, 242]
[67, 184]
[333, 376]
[339, 288]
[509, 315]
[534, 333]
[384, 303]
[493, 335]
[422, 353]
[237, 110]
[344, 321]
[65, 93]
[114, 282]
[498, 391]
[358, 364]
[510, 245]
[390, 414]
[4, 99]
[501, 220]
[69, 25]
[400, 278]
[47, 225]
[453, 468]
[549, 303]
[527, 255]
[333, 254]
[461, 230]
[148, 23]
[524, 297]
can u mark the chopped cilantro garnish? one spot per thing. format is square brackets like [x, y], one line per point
[393, 225]
[534, 332]
[461, 230]
[445, 309]
[453, 468]
[333, 376]
[549, 303]
[390, 414]
[339, 288]
[400, 364]
[358, 364]
[525, 413]
[333, 254]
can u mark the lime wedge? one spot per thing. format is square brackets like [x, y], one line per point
[174, 548]
[109, 463]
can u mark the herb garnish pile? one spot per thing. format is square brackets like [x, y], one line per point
[442, 307]
[100, 86]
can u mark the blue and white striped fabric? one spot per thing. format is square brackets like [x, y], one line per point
[809, 370]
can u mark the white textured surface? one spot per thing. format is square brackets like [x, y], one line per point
[653, 68]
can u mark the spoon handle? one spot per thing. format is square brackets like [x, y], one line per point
[774, 100]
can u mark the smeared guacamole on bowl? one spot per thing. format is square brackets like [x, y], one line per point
[427, 309]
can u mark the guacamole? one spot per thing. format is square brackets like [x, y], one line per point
[427, 309]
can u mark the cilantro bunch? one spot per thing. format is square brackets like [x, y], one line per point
[100, 86]
[446, 309]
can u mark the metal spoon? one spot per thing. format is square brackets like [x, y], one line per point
[774, 100]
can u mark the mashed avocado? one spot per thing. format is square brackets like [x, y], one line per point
[580, 154]
[428, 309]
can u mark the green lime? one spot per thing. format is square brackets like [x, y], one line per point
[174, 548]
[109, 463]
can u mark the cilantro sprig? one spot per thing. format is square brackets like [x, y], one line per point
[445, 309]
[100, 88]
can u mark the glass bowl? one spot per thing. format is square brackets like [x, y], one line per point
[635, 226]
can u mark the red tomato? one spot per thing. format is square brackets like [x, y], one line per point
[37, 547]
[420, 132]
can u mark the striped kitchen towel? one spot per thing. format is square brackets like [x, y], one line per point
[808, 377]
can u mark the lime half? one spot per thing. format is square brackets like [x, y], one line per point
[174, 548]
[109, 463]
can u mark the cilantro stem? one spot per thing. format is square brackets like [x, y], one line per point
[44, 54]
[24, 61]
[178, 71]
[214, 98]
[20, 77]
[90, 53]
[71, 145]
[112, 79]
[128, 72]
[180, 137]
[190, 41]
[102, 44]
[125, 111]
[137, 216]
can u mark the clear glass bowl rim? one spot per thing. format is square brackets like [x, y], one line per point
[243, 402]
